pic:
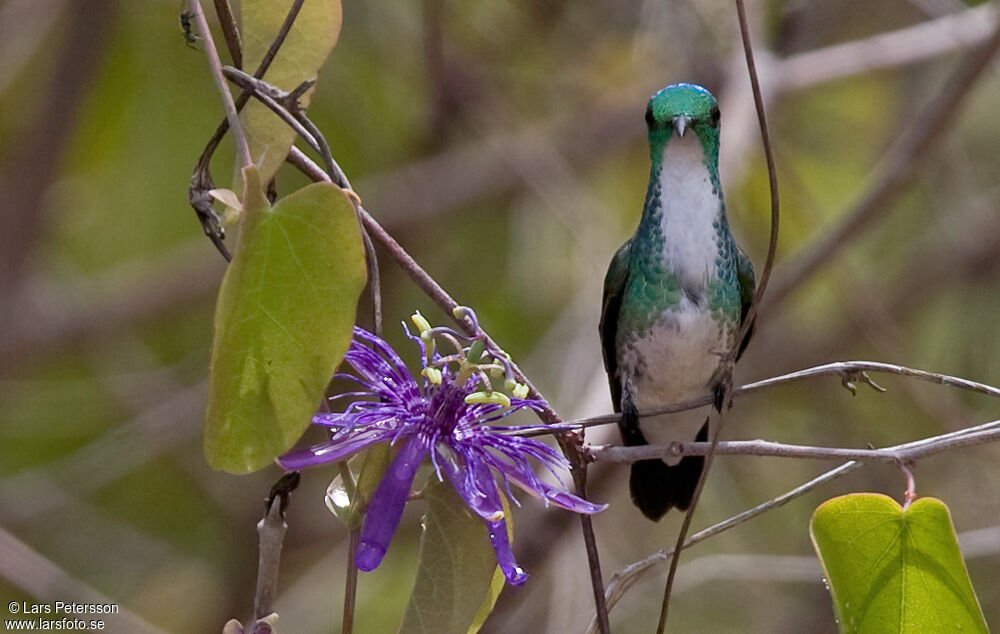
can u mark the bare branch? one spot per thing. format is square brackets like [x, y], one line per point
[153, 432]
[887, 50]
[230, 31]
[30, 160]
[623, 580]
[24, 28]
[30, 571]
[895, 170]
[933, 445]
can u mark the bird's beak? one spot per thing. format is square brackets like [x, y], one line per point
[681, 124]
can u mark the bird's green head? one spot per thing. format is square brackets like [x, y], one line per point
[681, 109]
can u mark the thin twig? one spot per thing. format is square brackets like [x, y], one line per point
[623, 580]
[614, 453]
[269, 95]
[895, 170]
[374, 281]
[772, 181]
[848, 371]
[242, 149]
[230, 31]
[351, 587]
[201, 179]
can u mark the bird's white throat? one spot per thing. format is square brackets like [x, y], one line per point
[690, 206]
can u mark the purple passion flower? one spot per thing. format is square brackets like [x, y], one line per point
[442, 417]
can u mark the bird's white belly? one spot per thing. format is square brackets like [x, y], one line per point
[675, 361]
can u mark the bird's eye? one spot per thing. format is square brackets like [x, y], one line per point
[713, 117]
[650, 119]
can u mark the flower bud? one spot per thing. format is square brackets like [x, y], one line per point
[488, 398]
[420, 322]
[433, 375]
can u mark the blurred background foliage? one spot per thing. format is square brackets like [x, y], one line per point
[502, 143]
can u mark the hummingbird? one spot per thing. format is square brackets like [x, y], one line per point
[675, 297]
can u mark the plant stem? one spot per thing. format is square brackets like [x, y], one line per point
[230, 31]
[351, 586]
[242, 149]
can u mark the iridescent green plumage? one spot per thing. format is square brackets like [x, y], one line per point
[676, 293]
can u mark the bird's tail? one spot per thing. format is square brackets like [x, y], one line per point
[657, 487]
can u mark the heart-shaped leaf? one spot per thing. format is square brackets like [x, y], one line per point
[894, 570]
[457, 582]
[283, 321]
[308, 44]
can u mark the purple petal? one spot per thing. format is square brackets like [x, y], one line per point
[478, 488]
[383, 347]
[551, 494]
[387, 504]
[501, 546]
[331, 451]
[474, 485]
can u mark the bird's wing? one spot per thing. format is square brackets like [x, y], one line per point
[748, 284]
[614, 288]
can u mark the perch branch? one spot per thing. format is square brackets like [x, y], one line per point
[626, 578]
[896, 168]
[933, 445]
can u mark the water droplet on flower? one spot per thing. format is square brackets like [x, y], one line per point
[340, 498]
[337, 499]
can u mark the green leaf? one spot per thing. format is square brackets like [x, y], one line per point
[308, 44]
[894, 570]
[283, 321]
[457, 571]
